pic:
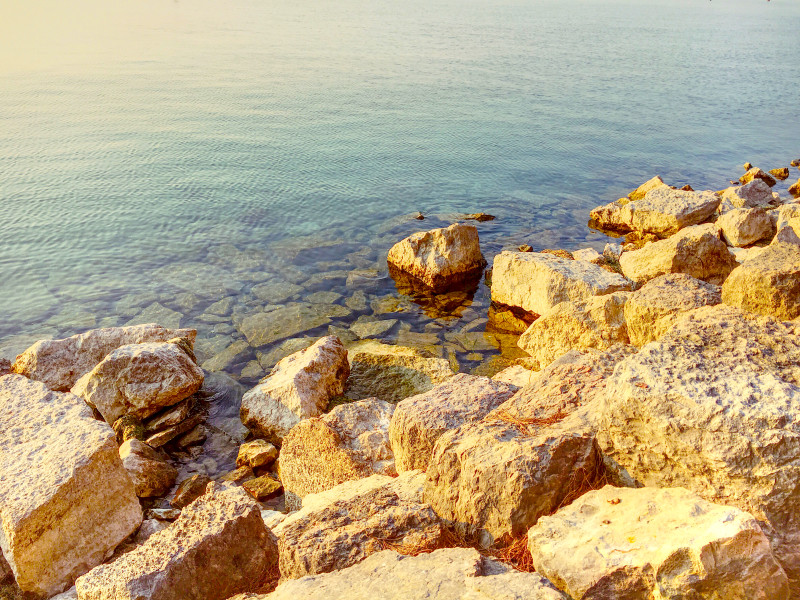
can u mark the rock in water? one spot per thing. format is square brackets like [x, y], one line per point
[65, 499]
[420, 420]
[218, 547]
[348, 443]
[655, 543]
[756, 173]
[440, 258]
[781, 173]
[299, 387]
[150, 473]
[768, 284]
[641, 191]
[750, 195]
[744, 226]
[60, 363]
[536, 282]
[139, 380]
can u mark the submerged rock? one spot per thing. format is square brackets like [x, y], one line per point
[264, 328]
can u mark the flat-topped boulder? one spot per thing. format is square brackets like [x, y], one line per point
[768, 284]
[744, 226]
[598, 323]
[756, 173]
[754, 194]
[350, 442]
[651, 310]
[655, 543]
[298, 387]
[419, 420]
[139, 380]
[150, 473]
[60, 363]
[66, 501]
[218, 547]
[439, 258]
[697, 251]
[536, 282]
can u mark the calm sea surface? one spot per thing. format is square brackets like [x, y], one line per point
[157, 157]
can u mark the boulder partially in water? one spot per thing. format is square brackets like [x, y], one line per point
[756, 173]
[150, 473]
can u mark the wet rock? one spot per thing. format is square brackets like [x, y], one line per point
[238, 475]
[357, 301]
[265, 328]
[138, 380]
[351, 442]
[157, 313]
[189, 490]
[536, 282]
[755, 194]
[52, 451]
[744, 226]
[60, 363]
[218, 547]
[128, 427]
[768, 284]
[756, 173]
[653, 309]
[440, 258]
[781, 173]
[150, 473]
[508, 319]
[170, 433]
[256, 454]
[794, 189]
[392, 373]
[170, 416]
[5, 366]
[598, 323]
[420, 420]
[263, 488]
[372, 328]
[195, 436]
[200, 279]
[276, 292]
[269, 359]
[228, 357]
[697, 251]
[299, 387]
[162, 514]
[648, 542]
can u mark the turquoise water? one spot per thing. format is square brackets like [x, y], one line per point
[157, 157]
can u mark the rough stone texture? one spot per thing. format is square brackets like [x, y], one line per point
[345, 532]
[653, 309]
[515, 375]
[139, 380]
[697, 251]
[60, 363]
[754, 194]
[794, 189]
[264, 328]
[150, 473]
[536, 282]
[744, 226]
[439, 258]
[350, 442]
[598, 323]
[65, 501]
[662, 211]
[756, 173]
[218, 547]
[655, 543]
[768, 284]
[189, 490]
[781, 173]
[446, 574]
[744, 254]
[713, 406]
[5, 366]
[257, 453]
[589, 255]
[788, 233]
[299, 387]
[651, 184]
[786, 213]
[263, 488]
[420, 420]
[392, 373]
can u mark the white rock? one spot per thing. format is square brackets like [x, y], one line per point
[299, 387]
[754, 194]
[150, 473]
[65, 499]
[589, 255]
[744, 226]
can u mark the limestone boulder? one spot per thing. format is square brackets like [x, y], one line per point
[350, 442]
[536, 282]
[655, 543]
[598, 323]
[754, 194]
[150, 473]
[392, 373]
[516, 375]
[256, 453]
[787, 213]
[651, 184]
[788, 234]
[60, 363]
[440, 258]
[66, 501]
[299, 387]
[654, 308]
[139, 380]
[420, 420]
[697, 251]
[744, 226]
[218, 547]
[768, 284]
[756, 173]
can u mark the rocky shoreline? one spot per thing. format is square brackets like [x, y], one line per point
[642, 440]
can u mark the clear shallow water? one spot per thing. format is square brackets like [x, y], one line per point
[157, 157]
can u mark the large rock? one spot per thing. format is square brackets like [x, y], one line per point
[350, 442]
[655, 543]
[139, 380]
[420, 420]
[598, 323]
[651, 184]
[65, 499]
[768, 284]
[150, 473]
[756, 173]
[299, 387]
[662, 211]
[392, 373]
[340, 534]
[218, 547]
[60, 363]
[754, 194]
[440, 258]
[786, 213]
[651, 310]
[536, 282]
[744, 226]
[446, 574]
[697, 251]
